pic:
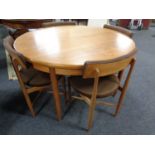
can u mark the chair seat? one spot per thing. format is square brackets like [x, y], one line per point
[32, 77]
[107, 85]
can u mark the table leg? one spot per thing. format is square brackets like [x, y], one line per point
[56, 95]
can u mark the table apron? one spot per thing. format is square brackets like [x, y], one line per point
[59, 71]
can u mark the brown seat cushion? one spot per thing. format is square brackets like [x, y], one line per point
[107, 85]
[33, 77]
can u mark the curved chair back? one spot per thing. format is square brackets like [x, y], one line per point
[16, 58]
[52, 24]
[119, 29]
[105, 68]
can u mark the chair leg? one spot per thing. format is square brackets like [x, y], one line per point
[92, 102]
[124, 87]
[118, 107]
[29, 103]
[90, 116]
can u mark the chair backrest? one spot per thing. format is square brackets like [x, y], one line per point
[104, 68]
[52, 24]
[16, 58]
[119, 29]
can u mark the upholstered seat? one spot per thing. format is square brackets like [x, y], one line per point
[107, 85]
[32, 77]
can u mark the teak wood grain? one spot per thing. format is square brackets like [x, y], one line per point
[68, 48]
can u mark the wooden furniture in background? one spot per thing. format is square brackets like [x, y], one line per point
[67, 48]
[125, 23]
[24, 23]
[18, 27]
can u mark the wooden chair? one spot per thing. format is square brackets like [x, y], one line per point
[30, 80]
[53, 24]
[125, 32]
[119, 29]
[99, 81]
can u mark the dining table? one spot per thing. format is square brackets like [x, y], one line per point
[67, 48]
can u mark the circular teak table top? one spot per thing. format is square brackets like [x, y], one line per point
[69, 47]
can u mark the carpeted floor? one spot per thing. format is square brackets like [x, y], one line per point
[136, 117]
